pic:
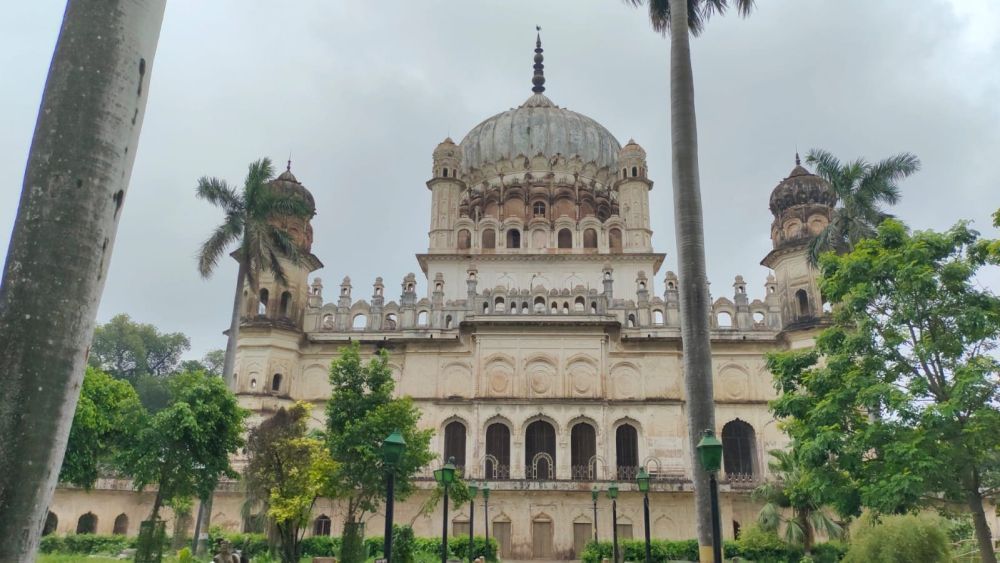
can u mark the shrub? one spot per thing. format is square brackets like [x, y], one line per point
[320, 546]
[85, 544]
[899, 539]
[403, 544]
[759, 545]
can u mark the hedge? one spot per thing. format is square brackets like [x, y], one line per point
[687, 550]
[85, 544]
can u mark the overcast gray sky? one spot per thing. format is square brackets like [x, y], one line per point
[360, 93]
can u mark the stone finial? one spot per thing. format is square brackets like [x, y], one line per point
[538, 79]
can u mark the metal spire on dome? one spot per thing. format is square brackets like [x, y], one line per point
[797, 161]
[538, 80]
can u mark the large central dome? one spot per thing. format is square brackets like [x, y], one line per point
[539, 126]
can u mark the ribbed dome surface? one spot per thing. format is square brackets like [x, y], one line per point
[288, 184]
[801, 187]
[539, 126]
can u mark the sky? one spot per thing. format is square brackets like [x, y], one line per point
[359, 93]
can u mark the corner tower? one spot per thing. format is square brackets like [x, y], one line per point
[802, 205]
[633, 197]
[446, 189]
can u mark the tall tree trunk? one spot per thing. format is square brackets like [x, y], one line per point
[157, 503]
[228, 368]
[983, 536]
[691, 263]
[75, 181]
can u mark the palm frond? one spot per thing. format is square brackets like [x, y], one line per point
[214, 248]
[219, 193]
[698, 12]
[769, 518]
[826, 165]
[821, 243]
[794, 534]
[259, 173]
[822, 522]
[880, 183]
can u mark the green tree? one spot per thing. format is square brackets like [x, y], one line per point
[184, 449]
[211, 363]
[250, 225]
[903, 408]
[789, 491]
[129, 350]
[75, 181]
[862, 189]
[287, 470]
[899, 539]
[361, 412]
[679, 17]
[106, 415]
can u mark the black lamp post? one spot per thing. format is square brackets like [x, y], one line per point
[486, 516]
[710, 455]
[613, 495]
[643, 479]
[392, 451]
[445, 477]
[472, 520]
[593, 496]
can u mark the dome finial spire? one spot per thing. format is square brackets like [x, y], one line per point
[797, 161]
[538, 80]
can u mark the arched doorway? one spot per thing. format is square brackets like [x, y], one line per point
[540, 451]
[626, 452]
[454, 443]
[497, 451]
[738, 449]
[121, 525]
[583, 448]
[87, 524]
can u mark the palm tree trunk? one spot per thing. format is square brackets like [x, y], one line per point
[228, 367]
[75, 181]
[691, 262]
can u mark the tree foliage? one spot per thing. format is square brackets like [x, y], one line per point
[128, 350]
[287, 471]
[211, 363]
[862, 189]
[903, 407]
[789, 491]
[104, 422]
[698, 12]
[184, 449]
[361, 412]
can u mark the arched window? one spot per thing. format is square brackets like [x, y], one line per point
[51, 523]
[635, 172]
[583, 447]
[615, 240]
[497, 451]
[589, 238]
[390, 322]
[513, 238]
[422, 317]
[580, 305]
[498, 305]
[631, 321]
[87, 524]
[802, 298]
[286, 303]
[321, 526]
[262, 303]
[489, 238]
[657, 317]
[624, 172]
[554, 308]
[627, 452]
[593, 307]
[360, 322]
[538, 209]
[565, 238]
[539, 304]
[524, 308]
[454, 443]
[447, 321]
[758, 318]
[738, 449]
[565, 307]
[540, 450]
[121, 525]
[253, 384]
[276, 382]
[724, 320]
[464, 239]
[445, 172]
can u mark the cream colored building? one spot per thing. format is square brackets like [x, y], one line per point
[546, 350]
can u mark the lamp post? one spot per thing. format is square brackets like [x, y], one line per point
[472, 520]
[486, 516]
[593, 496]
[643, 480]
[392, 451]
[613, 495]
[445, 477]
[710, 455]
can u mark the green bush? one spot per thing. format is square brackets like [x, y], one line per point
[760, 548]
[403, 544]
[320, 546]
[899, 539]
[85, 544]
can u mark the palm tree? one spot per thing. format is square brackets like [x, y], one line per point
[861, 187]
[75, 182]
[260, 244]
[786, 493]
[680, 17]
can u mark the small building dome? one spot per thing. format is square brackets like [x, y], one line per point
[287, 184]
[632, 149]
[447, 159]
[801, 187]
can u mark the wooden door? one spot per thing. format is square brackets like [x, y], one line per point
[501, 531]
[541, 540]
[583, 532]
